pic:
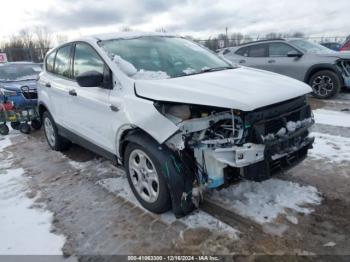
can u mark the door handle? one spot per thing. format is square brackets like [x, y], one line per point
[271, 61]
[114, 108]
[72, 92]
[242, 61]
[48, 85]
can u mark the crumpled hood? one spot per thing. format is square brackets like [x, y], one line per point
[241, 88]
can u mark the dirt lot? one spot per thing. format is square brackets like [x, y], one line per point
[98, 216]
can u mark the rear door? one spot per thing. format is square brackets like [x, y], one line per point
[60, 82]
[253, 56]
[90, 113]
[279, 62]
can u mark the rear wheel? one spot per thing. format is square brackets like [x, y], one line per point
[55, 141]
[325, 84]
[145, 178]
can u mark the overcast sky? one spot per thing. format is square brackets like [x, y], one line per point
[199, 18]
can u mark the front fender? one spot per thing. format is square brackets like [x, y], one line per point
[142, 113]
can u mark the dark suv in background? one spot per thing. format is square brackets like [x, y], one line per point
[326, 71]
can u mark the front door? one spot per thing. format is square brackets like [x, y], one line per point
[280, 63]
[90, 113]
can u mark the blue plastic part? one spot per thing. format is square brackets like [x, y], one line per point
[216, 182]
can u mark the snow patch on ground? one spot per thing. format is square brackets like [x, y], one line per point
[329, 244]
[330, 148]
[329, 117]
[23, 229]
[198, 219]
[265, 201]
[4, 142]
[103, 166]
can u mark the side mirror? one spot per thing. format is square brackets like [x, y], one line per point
[90, 79]
[294, 53]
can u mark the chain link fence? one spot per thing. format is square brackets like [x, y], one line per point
[38, 54]
[218, 43]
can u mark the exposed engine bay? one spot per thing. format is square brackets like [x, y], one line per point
[221, 145]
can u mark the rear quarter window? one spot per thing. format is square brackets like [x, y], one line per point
[50, 60]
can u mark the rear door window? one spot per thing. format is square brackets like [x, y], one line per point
[242, 51]
[63, 61]
[257, 51]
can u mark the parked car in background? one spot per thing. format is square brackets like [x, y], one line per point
[15, 76]
[346, 46]
[332, 45]
[326, 71]
[178, 117]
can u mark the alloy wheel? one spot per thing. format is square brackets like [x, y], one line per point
[50, 132]
[322, 85]
[144, 176]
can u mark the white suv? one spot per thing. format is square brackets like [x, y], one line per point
[179, 118]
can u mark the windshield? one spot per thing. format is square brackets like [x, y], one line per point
[310, 47]
[19, 72]
[155, 57]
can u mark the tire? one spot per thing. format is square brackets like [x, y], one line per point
[15, 125]
[4, 129]
[142, 164]
[55, 141]
[36, 124]
[325, 84]
[24, 128]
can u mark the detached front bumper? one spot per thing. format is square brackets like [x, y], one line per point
[257, 161]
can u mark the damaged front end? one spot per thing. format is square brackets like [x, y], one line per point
[218, 146]
[343, 66]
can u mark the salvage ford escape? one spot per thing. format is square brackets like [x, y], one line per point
[179, 118]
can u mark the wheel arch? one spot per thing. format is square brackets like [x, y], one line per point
[129, 134]
[319, 67]
[41, 109]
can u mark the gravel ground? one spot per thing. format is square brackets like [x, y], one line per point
[102, 218]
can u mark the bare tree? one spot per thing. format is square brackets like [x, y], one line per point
[298, 35]
[27, 37]
[60, 39]
[126, 29]
[43, 39]
[236, 39]
[161, 30]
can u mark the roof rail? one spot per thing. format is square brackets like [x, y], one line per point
[263, 40]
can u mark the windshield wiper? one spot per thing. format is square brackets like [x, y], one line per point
[206, 70]
[216, 69]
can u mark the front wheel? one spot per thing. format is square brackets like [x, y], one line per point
[145, 178]
[325, 84]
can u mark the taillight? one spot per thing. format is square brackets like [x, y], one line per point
[345, 47]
